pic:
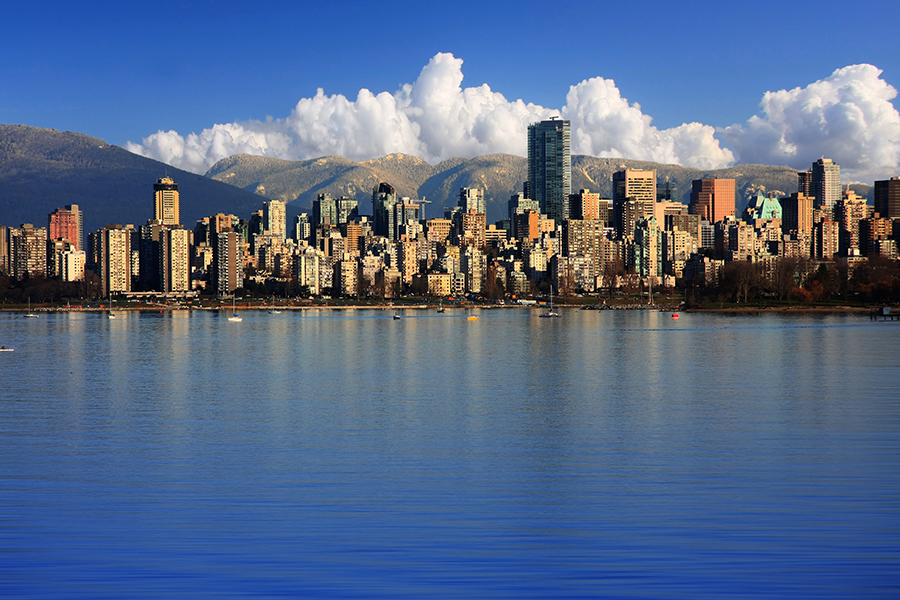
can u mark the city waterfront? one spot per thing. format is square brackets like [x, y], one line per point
[348, 454]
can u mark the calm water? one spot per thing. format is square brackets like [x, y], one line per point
[602, 454]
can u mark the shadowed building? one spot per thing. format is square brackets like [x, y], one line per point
[887, 198]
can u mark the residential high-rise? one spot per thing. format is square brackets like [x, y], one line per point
[27, 251]
[584, 205]
[887, 198]
[166, 202]
[550, 166]
[712, 199]
[634, 195]
[227, 264]
[472, 199]
[174, 260]
[67, 224]
[274, 218]
[114, 258]
[796, 214]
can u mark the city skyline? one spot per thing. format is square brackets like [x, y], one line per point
[261, 95]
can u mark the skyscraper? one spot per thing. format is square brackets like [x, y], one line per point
[550, 166]
[165, 202]
[712, 199]
[634, 194]
[384, 197]
[824, 183]
[887, 198]
[67, 224]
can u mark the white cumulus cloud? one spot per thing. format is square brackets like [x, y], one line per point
[848, 117]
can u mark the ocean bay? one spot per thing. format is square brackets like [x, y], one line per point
[346, 454]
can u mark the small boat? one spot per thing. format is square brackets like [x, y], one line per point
[29, 314]
[397, 317]
[274, 311]
[675, 316]
[551, 312]
[236, 318]
[5, 349]
[441, 308]
[473, 318]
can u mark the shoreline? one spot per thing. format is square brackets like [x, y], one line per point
[394, 307]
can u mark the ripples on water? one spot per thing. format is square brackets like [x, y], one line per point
[614, 454]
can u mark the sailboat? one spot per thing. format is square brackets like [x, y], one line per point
[29, 314]
[110, 314]
[441, 308]
[234, 316]
[551, 312]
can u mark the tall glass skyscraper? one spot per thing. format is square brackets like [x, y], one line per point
[550, 167]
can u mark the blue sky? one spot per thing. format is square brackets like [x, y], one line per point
[123, 71]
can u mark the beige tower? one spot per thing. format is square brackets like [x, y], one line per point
[165, 202]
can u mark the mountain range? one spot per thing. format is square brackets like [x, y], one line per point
[43, 169]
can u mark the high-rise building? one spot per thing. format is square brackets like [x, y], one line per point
[174, 260]
[550, 166]
[585, 205]
[114, 258]
[887, 198]
[67, 224]
[27, 251]
[275, 221]
[472, 199]
[166, 202]
[824, 181]
[227, 263]
[384, 197]
[796, 214]
[634, 195]
[302, 227]
[712, 199]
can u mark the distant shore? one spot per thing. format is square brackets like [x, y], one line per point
[454, 307]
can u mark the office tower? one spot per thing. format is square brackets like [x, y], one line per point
[712, 199]
[472, 199]
[114, 259]
[274, 220]
[166, 202]
[584, 206]
[550, 167]
[887, 198]
[667, 192]
[517, 205]
[384, 197]
[227, 264]
[822, 182]
[27, 251]
[67, 224]
[634, 194]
